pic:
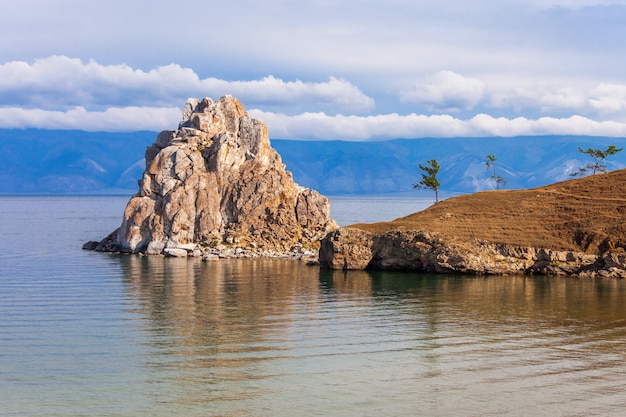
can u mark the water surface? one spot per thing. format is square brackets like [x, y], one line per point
[91, 334]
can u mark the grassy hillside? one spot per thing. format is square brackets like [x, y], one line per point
[586, 214]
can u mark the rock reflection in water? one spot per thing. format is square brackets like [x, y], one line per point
[271, 337]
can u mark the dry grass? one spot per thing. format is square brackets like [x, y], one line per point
[580, 215]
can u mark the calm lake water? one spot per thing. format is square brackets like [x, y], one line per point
[92, 334]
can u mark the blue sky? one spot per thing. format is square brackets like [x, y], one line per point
[325, 69]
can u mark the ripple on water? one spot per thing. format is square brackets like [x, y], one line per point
[83, 333]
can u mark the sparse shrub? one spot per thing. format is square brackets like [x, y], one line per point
[598, 156]
[491, 164]
[429, 178]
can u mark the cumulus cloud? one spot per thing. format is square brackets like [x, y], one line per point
[270, 90]
[61, 82]
[113, 119]
[316, 125]
[64, 93]
[320, 126]
[604, 100]
[564, 99]
[447, 91]
[609, 98]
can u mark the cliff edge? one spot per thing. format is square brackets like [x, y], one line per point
[215, 185]
[576, 227]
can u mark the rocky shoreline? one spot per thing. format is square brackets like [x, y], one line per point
[220, 252]
[417, 251]
[576, 227]
[351, 248]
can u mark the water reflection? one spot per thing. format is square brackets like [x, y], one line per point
[269, 337]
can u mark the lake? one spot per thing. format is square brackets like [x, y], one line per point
[92, 334]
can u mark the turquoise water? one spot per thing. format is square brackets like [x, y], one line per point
[92, 334]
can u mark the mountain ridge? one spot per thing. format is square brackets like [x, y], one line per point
[37, 161]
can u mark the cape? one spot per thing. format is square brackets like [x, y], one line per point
[575, 227]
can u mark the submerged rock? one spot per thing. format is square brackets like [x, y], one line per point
[216, 183]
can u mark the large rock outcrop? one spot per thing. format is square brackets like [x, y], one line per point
[411, 250]
[575, 227]
[216, 183]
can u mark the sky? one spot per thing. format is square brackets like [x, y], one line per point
[319, 69]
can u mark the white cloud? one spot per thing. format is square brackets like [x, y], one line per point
[381, 46]
[270, 90]
[113, 119]
[485, 125]
[603, 100]
[564, 99]
[316, 126]
[320, 126]
[609, 98]
[64, 93]
[446, 90]
[61, 82]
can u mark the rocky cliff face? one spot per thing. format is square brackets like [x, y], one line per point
[351, 248]
[575, 227]
[217, 183]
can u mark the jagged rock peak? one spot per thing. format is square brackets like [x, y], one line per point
[216, 182]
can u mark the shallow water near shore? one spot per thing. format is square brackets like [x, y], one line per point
[85, 333]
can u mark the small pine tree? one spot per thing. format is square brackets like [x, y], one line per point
[491, 164]
[429, 177]
[598, 156]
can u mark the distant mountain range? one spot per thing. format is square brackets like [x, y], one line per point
[69, 161]
[59, 161]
